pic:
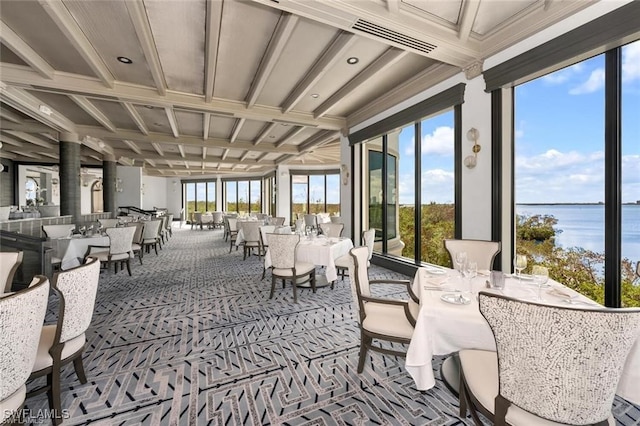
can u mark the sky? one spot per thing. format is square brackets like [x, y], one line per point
[559, 148]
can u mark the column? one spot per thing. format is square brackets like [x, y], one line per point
[109, 176]
[70, 176]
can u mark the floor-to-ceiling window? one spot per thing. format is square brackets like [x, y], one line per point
[562, 122]
[409, 179]
[269, 184]
[243, 196]
[315, 192]
[199, 196]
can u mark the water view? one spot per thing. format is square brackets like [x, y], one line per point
[583, 226]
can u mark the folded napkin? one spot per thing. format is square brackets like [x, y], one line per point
[433, 281]
[559, 292]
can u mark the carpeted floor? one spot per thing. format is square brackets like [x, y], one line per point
[192, 339]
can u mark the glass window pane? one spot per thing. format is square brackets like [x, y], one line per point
[559, 175]
[316, 194]
[256, 190]
[201, 196]
[299, 195]
[190, 194]
[392, 201]
[243, 197]
[333, 194]
[373, 220]
[630, 175]
[438, 187]
[231, 197]
[211, 196]
[402, 143]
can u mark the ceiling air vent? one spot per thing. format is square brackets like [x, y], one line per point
[393, 36]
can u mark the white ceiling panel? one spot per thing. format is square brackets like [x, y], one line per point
[63, 103]
[190, 123]
[116, 113]
[448, 10]
[494, 13]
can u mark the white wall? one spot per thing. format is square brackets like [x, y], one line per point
[283, 193]
[154, 192]
[131, 184]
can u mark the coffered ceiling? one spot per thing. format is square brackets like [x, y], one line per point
[195, 87]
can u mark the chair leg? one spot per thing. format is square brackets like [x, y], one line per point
[53, 394]
[128, 266]
[273, 286]
[155, 247]
[295, 290]
[365, 341]
[313, 281]
[79, 367]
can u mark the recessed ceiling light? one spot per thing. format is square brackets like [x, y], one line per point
[315, 95]
[272, 136]
[352, 60]
[149, 106]
[124, 60]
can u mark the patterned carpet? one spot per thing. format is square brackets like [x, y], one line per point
[192, 339]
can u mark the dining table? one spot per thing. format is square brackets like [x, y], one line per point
[321, 251]
[446, 324]
[71, 250]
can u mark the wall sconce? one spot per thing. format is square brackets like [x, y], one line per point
[142, 189]
[473, 135]
[344, 171]
[118, 183]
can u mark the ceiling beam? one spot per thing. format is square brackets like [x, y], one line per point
[10, 115]
[28, 104]
[136, 117]
[72, 31]
[29, 126]
[66, 83]
[18, 46]
[244, 156]
[293, 132]
[50, 155]
[8, 155]
[331, 55]
[173, 122]
[204, 152]
[9, 140]
[206, 125]
[158, 148]
[132, 145]
[469, 12]
[28, 137]
[264, 133]
[393, 6]
[279, 40]
[93, 111]
[133, 135]
[318, 139]
[181, 150]
[140, 21]
[236, 129]
[224, 154]
[390, 57]
[213, 23]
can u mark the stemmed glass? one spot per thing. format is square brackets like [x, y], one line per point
[520, 263]
[540, 277]
[470, 270]
[460, 260]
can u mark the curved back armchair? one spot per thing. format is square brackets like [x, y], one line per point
[252, 239]
[21, 318]
[217, 219]
[136, 245]
[151, 235]
[58, 231]
[282, 249]
[119, 250]
[554, 363]
[311, 220]
[9, 263]
[380, 318]
[64, 341]
[332, 230]
[479, 251]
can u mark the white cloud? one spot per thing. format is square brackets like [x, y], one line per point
[563, 75]
[631, 62]
[594, 83]
[439, 142]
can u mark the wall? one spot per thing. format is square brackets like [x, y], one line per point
[283, 193]
[6, 182]
[154, 192]
[131, 184]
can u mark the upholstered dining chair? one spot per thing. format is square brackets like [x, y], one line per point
[9, 263]
[380, 318]
[109, 223]
[151, 236]
[169, 225]
[252, 239]
[479, 251]
[136, 244]
[58, 231]
[553, 363]
[284, 265]
[217, 219]
[21, 319]
[197, 220]
[277, 221]
[332, 230]
[64, 341]
[342, 263]
[118, 251]
[336, 219]
[311, 220]
[233, 232]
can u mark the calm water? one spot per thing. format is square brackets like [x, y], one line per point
[583, 226]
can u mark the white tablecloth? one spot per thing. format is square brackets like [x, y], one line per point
[72, 250]
[320, 252]
[443, 328]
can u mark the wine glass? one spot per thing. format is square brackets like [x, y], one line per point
[470, 270]
[540, 277]
[460, 260]
[520, 263]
